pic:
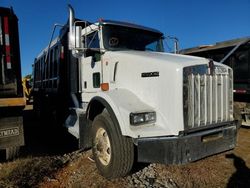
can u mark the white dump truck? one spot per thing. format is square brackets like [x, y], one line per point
[111, 84]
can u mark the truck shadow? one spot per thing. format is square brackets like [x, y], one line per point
[241, 178]
[45, 137]
[43, 154]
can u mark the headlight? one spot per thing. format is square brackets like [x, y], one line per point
[142, 118]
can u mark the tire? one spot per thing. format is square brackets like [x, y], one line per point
[113, 153]
[12, 152]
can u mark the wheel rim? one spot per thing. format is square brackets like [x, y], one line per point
[103, 147]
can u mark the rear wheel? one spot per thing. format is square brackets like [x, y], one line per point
[113, 153]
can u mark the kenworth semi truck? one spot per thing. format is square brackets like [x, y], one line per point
[236, 54]
[12, 100]
[114, 88]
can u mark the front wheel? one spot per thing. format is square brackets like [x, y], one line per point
[113, 153]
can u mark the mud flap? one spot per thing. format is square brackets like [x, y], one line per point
[85, 132]
[11, 132]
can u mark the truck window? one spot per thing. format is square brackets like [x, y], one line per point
[93, 45]
[125, 38]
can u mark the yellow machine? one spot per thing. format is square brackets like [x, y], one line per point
[27, 87]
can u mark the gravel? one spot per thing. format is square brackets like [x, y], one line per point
[148, 177]
[77, 169]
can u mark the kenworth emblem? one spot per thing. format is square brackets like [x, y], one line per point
[220, 70]
[150, 74]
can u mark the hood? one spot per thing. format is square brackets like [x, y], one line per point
[161, 89]
[175, 59]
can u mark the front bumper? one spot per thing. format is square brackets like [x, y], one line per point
[188, 148]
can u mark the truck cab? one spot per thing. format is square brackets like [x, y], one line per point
[173, 108]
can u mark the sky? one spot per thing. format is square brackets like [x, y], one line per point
[193, 22]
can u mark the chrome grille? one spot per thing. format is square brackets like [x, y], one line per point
[207, 98]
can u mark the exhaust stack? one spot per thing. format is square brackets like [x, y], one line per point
[71, 28]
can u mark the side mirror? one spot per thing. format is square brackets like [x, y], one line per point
[176, 43]
[75, 34]
[78, 37]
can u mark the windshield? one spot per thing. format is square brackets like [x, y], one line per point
[117, 37]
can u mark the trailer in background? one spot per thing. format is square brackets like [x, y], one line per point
[236, 54]
[12, 99]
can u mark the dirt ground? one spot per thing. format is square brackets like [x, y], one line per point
[51, 159]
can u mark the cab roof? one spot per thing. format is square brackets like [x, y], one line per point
[131, 25]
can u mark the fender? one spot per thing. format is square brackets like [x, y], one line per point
[120, 103]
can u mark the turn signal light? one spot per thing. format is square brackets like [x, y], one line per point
[105, 86]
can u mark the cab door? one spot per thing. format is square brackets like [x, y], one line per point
[91, 66]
